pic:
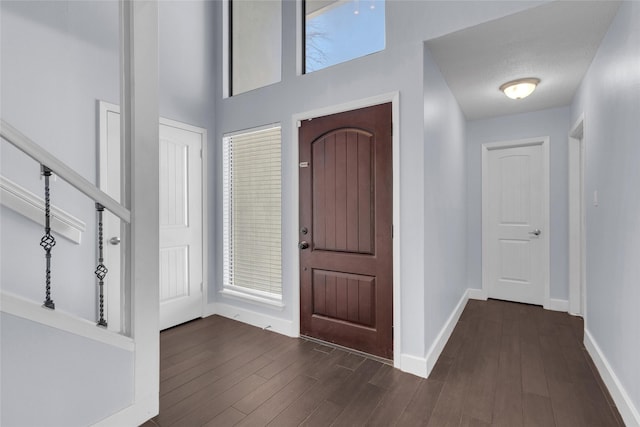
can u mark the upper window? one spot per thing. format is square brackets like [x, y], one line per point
[340, 30]
[252, 177]
[255, 44]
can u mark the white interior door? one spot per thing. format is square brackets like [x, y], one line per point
[515, 218]
[181, 226]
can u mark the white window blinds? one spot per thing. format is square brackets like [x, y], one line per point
[252, 213]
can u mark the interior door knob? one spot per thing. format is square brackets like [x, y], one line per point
[535, 232]
[114, 240]
[303, 245]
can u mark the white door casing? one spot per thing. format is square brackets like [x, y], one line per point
[109, 182]
[577, 289]
[515, 220]
[182, 230]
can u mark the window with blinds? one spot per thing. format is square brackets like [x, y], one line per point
[252, 213]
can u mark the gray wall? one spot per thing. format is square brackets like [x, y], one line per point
[609, 98]
[444, 199]
[398, 68]
[54, 378]
[553, 123]
[58, 58]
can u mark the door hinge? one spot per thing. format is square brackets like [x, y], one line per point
[201, 287]
[299, 123]
[392, 231]
[201, 153]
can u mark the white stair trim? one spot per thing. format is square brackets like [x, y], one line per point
[31, 206]
[33, 311]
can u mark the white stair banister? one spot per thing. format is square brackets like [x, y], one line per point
[33, 150]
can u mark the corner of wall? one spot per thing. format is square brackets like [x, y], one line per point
[445, 333]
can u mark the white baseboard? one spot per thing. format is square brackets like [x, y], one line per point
[31, 206]
[134, 415]
[557, 305]
[414, 365]
[623, 402]
[264, 321]
[33, 311]
[422, 366]
[478, 294]
[438, 345]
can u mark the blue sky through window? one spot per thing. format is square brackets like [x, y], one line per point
[350, 30]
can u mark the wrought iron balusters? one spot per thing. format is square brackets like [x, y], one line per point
[101, 270]
[48, 241]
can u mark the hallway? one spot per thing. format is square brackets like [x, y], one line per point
[506, 364]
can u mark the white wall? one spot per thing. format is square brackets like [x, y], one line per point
[554, 123]
[58, 58]
[445, 200]
[397, 68]
[54, 378]
[609, 97]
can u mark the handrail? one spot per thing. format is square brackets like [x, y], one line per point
[33, 150]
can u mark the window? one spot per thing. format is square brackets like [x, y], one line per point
[255, 44]
[340, 30]
[252, 214]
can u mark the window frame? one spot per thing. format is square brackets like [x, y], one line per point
[229, 288]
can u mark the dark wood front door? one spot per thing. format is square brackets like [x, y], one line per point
[346, 210]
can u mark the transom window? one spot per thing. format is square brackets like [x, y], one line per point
[255, 44]
[341, 30]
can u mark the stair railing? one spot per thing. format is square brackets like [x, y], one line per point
[52, 165]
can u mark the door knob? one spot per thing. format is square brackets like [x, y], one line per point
[114, 240]
[535, 232]
[303, 245]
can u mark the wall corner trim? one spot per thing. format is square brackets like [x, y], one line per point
[623, 401]
[264, 321]
[29, 205]
[414, 365]
[479, 294]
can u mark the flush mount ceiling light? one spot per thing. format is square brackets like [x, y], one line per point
[521, 88]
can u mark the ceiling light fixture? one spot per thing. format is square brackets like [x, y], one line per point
[521, 88]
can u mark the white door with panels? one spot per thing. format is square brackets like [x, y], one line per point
[180, 210]
[180, 226]
[515, 218]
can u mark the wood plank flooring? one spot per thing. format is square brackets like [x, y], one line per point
[506, 364]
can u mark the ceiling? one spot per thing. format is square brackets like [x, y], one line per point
[555, 42]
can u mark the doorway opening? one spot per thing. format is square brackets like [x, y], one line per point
[182, 208]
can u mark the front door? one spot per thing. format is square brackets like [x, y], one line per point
[346, 258]
[515, 215]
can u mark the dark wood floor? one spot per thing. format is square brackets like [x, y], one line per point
[506, 364]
